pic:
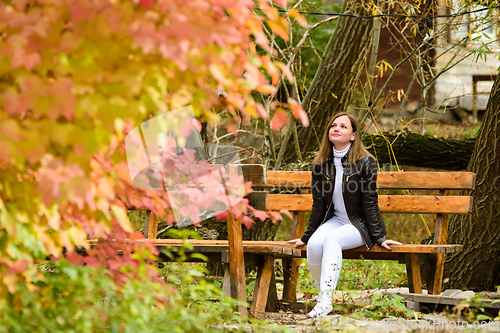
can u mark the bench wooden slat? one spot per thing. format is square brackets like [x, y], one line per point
[413, 248]
[408, 248]
[426, 180]
[416, 204]
[386, 180]
[283, 245]
[209, 246]
[425, 204]
[277, 251]
[289, 178]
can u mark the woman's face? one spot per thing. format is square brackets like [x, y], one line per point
[341, 133]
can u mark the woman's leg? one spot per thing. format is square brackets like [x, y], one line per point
[315, 249]
[316, 242]
[343, 238]
[324, 258]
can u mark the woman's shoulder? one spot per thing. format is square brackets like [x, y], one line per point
[367, 162]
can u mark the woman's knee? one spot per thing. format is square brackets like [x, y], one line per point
[346, 237]
[314, 252]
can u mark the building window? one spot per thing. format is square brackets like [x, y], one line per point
[474, 25]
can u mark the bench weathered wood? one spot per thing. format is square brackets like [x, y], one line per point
[442, 205]
[236, 253]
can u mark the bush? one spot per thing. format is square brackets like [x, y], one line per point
[70, 298]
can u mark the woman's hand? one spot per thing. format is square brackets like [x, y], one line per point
[388, 242]
[296, 242]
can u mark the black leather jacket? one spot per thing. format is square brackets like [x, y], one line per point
[360, 198]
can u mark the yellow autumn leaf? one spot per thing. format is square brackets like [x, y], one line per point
[122, 217]
[297, 16]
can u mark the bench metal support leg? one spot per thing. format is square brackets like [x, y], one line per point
[261, 290]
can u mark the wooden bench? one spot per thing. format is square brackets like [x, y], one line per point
[235, 253]
[432, 255]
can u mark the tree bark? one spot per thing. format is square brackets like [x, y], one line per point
[419, 150]
[478, 266]
[336, 83]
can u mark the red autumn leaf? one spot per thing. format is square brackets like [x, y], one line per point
[281, 3]
[186, 129]
[248, 187]
[233, 129]
[273, 71]
[298, 112]
[18, 266]
[247, 222]
[286, 71]
[21, 4]
[31, 60]
[146, 3]
[74, 258]
[113, 265]
[262, 111]
[12, 105]
[136, 235]
[92, 262]
[81, 10]
[222, 216]
[280, 118]
[275, 216]
[286, 212]
[197, 124]
[259, 213]
[103, 317]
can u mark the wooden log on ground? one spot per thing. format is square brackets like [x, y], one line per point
[420, 150]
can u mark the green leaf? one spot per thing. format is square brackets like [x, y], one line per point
[199, 256]
[481, 317]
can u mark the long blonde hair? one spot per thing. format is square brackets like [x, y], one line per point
[357, 151]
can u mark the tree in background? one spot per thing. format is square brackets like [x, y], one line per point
[477, 267]
[333, 88]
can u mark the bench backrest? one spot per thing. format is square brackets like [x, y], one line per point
[300, 182]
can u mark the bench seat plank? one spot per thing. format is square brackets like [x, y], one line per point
[411, 204]
[408, 248]
[217, 246]
[282, 248]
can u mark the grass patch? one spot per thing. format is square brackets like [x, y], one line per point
[359, 275]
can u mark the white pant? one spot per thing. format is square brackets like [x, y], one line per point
[325, 248]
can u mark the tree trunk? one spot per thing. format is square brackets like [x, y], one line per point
[419, 150]
[478, 266]
[338, 80]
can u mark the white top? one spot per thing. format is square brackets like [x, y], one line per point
[338, 199]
